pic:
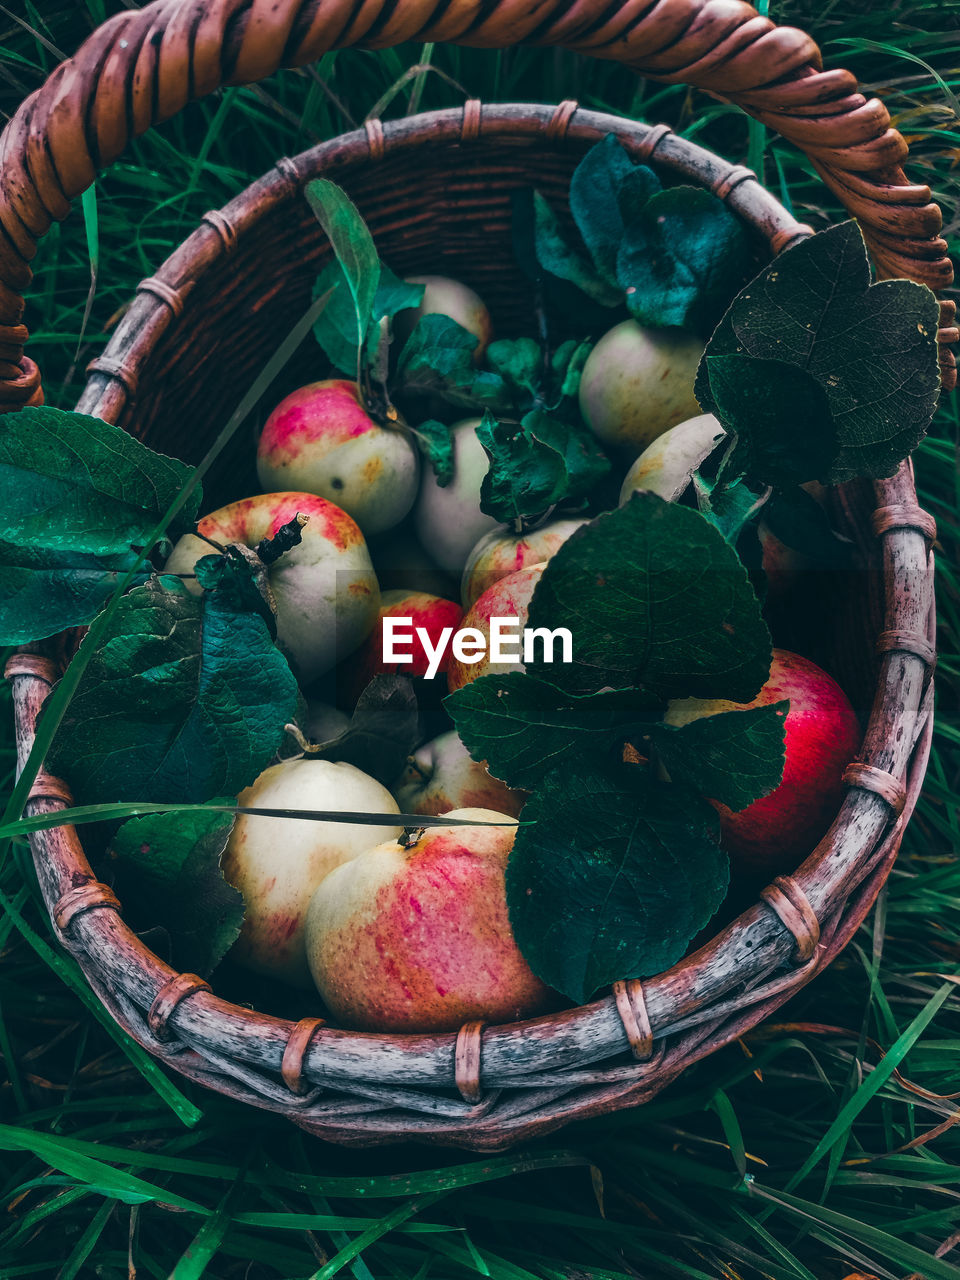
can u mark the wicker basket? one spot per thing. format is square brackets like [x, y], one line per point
[435, 188]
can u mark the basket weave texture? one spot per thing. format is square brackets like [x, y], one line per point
[435, 190]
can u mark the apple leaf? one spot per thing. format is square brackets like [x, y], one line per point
[436, 444]
[566, 365]
[437, 359]
[519, 362]
[655, 598]
[729, 506]
[734, 757]
[69, 482]
[185, 698]
[336, 327]
[559, 255]
[523, 728]
[168, 875]
[871, 349]
[352, 245]
[682, 259]
[611, 875]
[43, 591]
[536, 463]
[383, 730]
[608, 191]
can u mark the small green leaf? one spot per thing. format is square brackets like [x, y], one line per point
[352, 245]
[728, 506]
[169, 875]
[43, 591]
[436, 444]
[611, 875]
[437, 358]
[518, 361]
[536, 463]
[682, 260]
[184, 698]
[557, 254]
[608, 191]
[394, 294]
[781, 416]
[871, 348]
[523, 728]
[734, 757]
[567, 364]
[383, 730]
[69, 482]
[654, 597]
[336, 327]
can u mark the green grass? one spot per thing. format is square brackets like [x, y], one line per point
[828, 1142]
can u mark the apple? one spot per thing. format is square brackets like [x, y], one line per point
[417, 938]
[431, 613]
[277, 863]
[321, 439]
[441, 776]
[325, 589]
[637, 383]
[401, 563]
[446, 297]
[324, 722]
[822, 736]
[502, 551]
[508, 598]
[448, 520]
[665, 467]
[783, 566]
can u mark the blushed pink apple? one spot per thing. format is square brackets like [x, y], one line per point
[446, 297]
[277, 863]
[418, 938]
[822, 736]
[326, 591]
[437, 617]
[508, 598]
[321, 439]
[502, 552]
[448, 520]
[441, 775]
[637, 383]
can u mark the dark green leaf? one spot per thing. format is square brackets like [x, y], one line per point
[383, 730]
[728, 506]
[523, 728]
[734, 757]
[169, 875]
[780, 413]
[519, 361]
[438, 358]
[561, 257]
[567, 365]
[394, 294]
[612, 878]
[536, 463]
[654, 597]
[436, 444]
[872, 348]
[235, 579]
[608, 190]
[352, 245]
[682, 260]
[336, 327]
[43, 591]
[69, 482]
[183, 699]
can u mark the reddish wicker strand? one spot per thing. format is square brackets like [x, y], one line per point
[30, 664]
[904, 517]
[467, 1054]
[291, 1068]
[170, 995]
[86, 897]
[632, 1008]
[869, 778]
[165, 292]
[472, 117]
[788, 901]
[907, 642]
[560, 120]
[47, 787]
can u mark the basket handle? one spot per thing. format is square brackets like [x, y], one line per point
[144, 65]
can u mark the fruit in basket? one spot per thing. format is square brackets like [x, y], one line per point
[429, 653]
[508, 598]
[321, 439]
[417, 938]
[822, 736]
[324, 722]
[665, 466]
[637, 383]
[277, 863]
[401, 563]
[448, 519]
[502, 552]
[325, 589]
[441, 776]
[446, 297]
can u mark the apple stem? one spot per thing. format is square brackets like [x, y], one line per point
[423, 774]
[285, 539]
[409, 837]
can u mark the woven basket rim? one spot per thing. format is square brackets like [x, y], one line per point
[708, 996]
